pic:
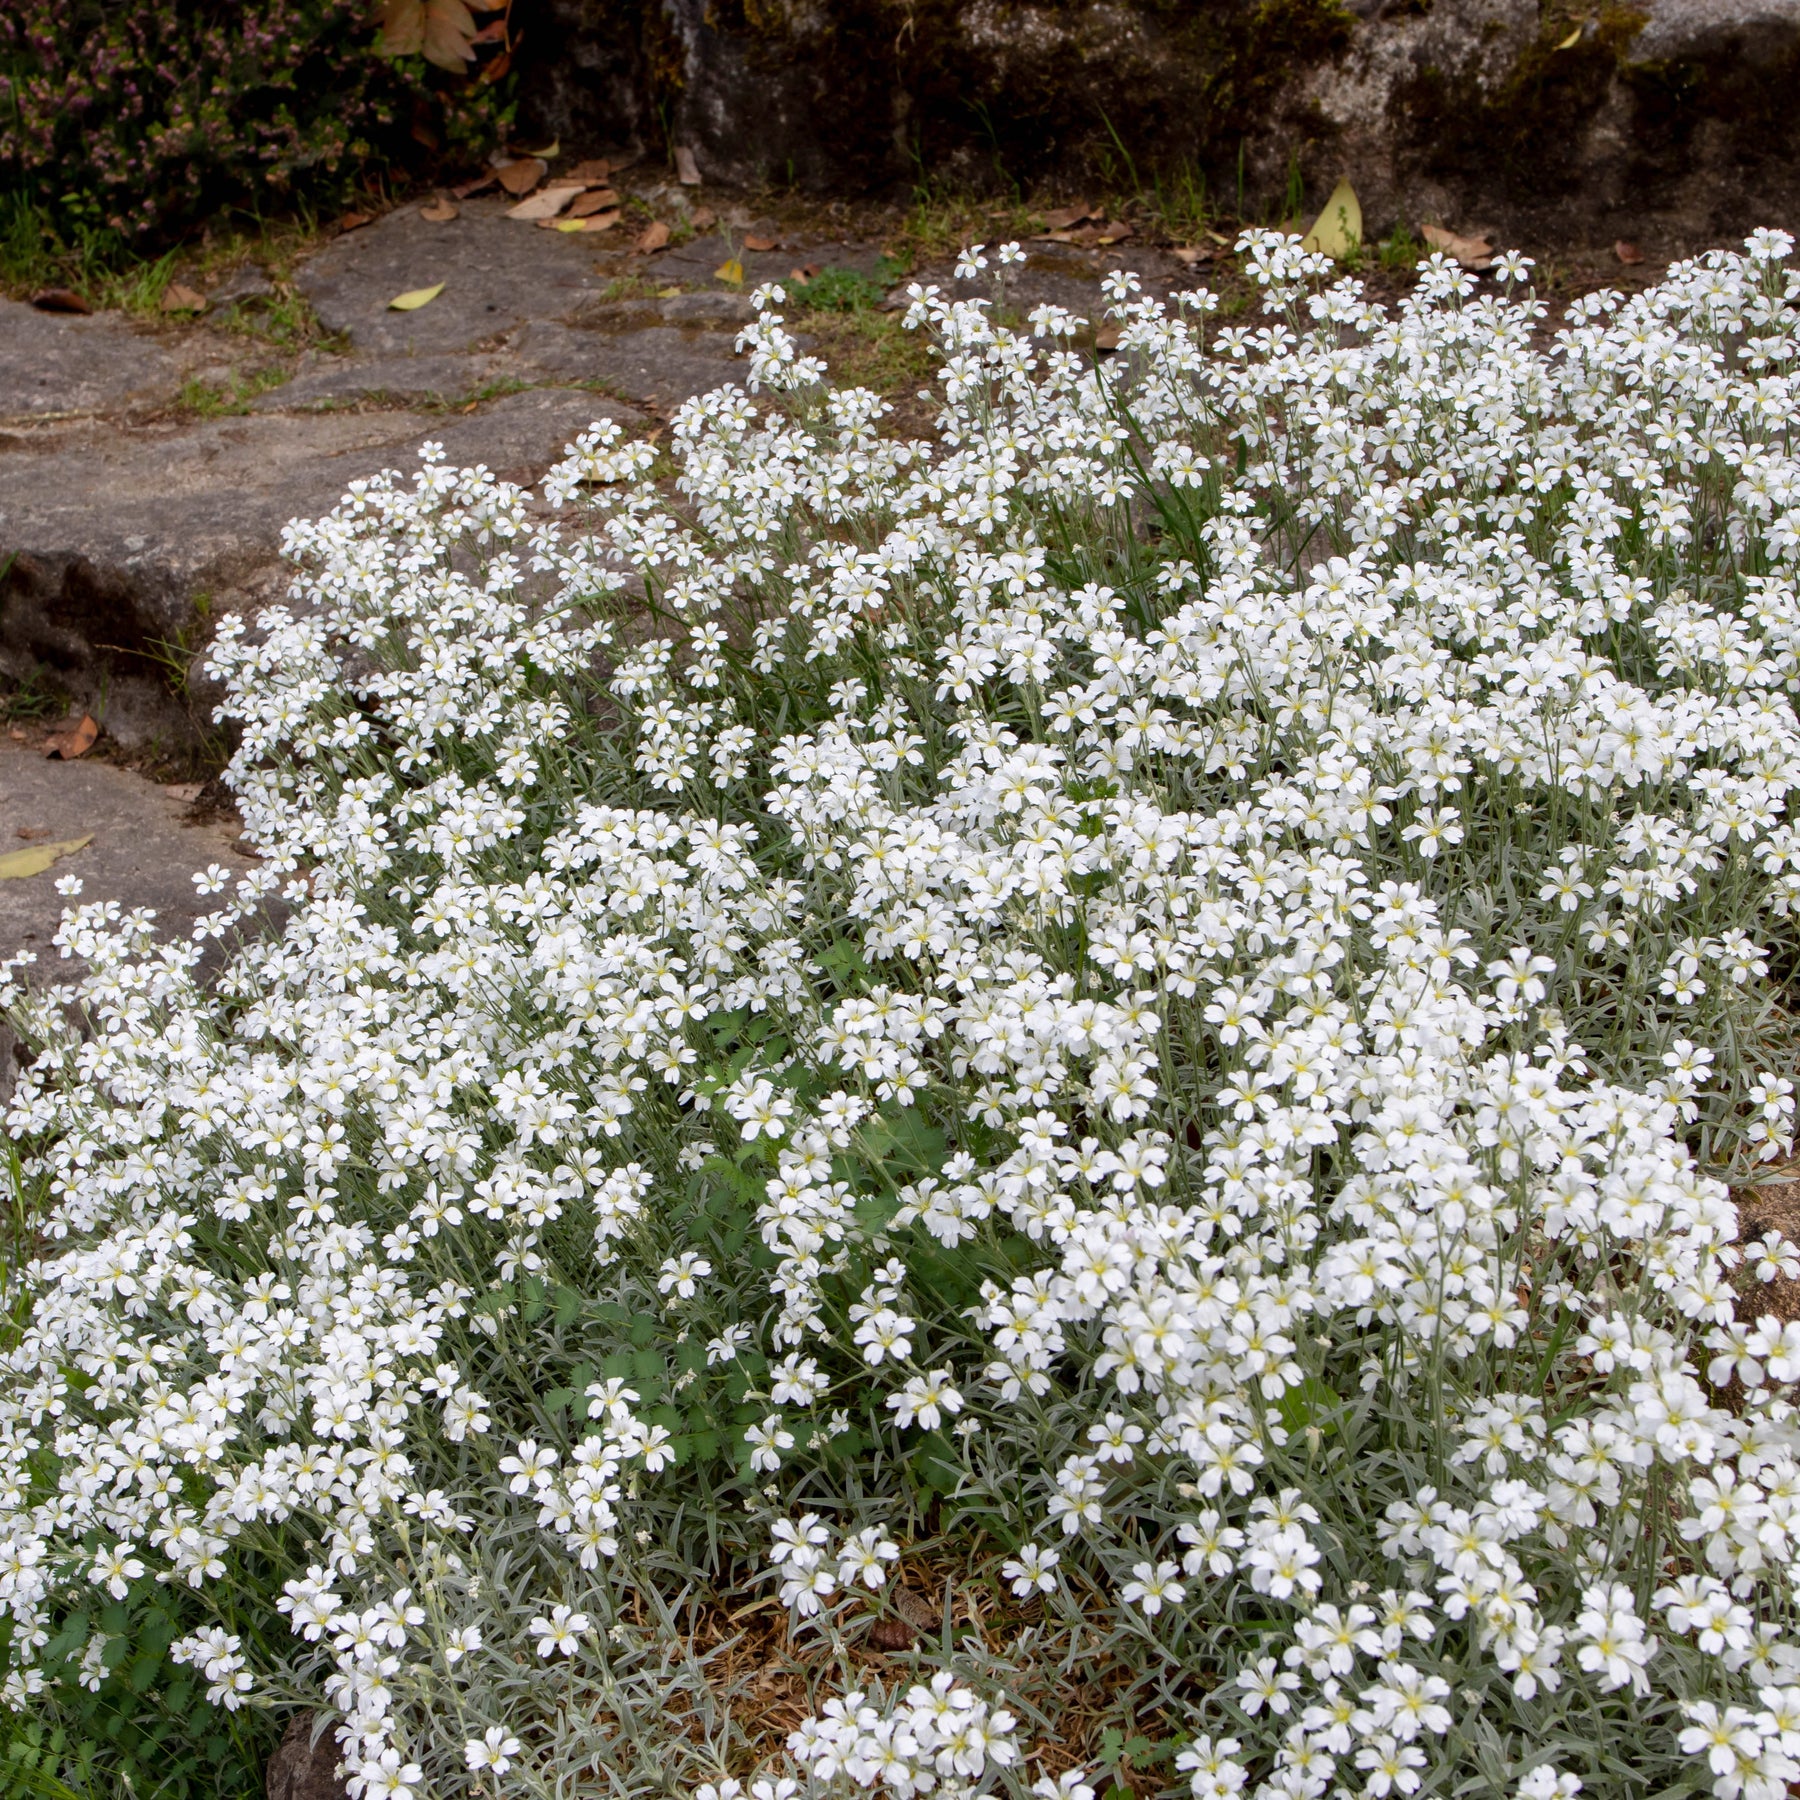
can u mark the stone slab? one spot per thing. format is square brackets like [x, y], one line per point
[1670, 121]
[697, 260]
[64, 364]
[656, 366]
[497, 273]
[123, 541]
[1700, 29]
[326, 380]
[144, 851]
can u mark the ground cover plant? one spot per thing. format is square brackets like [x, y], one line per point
[1133, 1021]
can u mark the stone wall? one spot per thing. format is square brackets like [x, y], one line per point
[1678, 114]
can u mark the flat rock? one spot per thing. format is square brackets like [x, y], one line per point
[325, 380]
[144, 850]
[658, 365]
[697, 309]
[64, 364]
[497, 273]
[124, 541]
[147, 841]
[1706, 29]
[701, 257]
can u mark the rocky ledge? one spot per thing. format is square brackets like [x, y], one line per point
[1551, 118]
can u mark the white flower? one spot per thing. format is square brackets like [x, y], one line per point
[925, 1399]
[494, 1750]
[767, 1440]
[1153, 1586]
[561, 1632]
[1032, 1571]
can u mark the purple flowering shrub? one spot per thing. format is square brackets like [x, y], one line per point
[138, 115]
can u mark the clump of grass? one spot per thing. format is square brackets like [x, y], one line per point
[869, 348]
[33, 697]
[843, 290]
[223, 399]
[1400, 251]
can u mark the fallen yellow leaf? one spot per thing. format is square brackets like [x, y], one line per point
[1337, 231]
[414, 298]
[15, 865]
[1572, 39]
[732, 271]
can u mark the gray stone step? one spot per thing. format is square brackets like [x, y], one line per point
[127, 542]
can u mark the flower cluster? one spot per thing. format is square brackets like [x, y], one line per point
[1183, 968]
[942, 1738]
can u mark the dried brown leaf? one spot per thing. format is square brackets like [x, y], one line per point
[441, 31]
[547, 203]
[703, 218]
[687, 170]
[179, 298]
[920, 1613]
[1628, 252]
[594, 200]
[522, 174]
[440, 211]
[402, 28]
[655, 237]
[594, 171]
[73, 740]
[354, 221]
[1471, 252]
[1066, 218]
[604, 221]
[59, 299]
[753, 242]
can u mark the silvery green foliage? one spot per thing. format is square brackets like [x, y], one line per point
[1179, 966]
